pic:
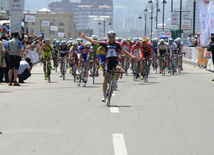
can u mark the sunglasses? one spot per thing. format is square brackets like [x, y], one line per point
[111, 36]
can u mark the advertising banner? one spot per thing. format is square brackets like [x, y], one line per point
[16, 8]
[211, 17]
[186, 15]
[54, 28]
[174, 18]
[61, 34]
[186, 25]
[30, 18]
[45, 23]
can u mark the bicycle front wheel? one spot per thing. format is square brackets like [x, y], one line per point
[109, 93]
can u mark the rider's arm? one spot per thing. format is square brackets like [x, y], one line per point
[88, 39]
[127, 54]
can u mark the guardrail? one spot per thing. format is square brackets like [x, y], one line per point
[196, 57]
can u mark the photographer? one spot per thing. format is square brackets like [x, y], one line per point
[211, 48]
[24, 70]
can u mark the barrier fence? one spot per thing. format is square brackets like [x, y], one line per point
[197, 57]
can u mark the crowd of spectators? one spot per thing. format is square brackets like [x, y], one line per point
[13, 51]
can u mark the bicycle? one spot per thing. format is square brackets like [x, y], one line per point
[146, 69]
[179, 63]
[56, 64]
[163, 65]
[110, 87]
[82, 74]
[74, 69]
[156, 64]
[63, 67]
[94, 69]
[48, 69]
[126, 66]
[135, 70]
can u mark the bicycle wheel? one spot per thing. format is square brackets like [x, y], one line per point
[63, 71]
[126, 67]
[94, 73]
[171, 67]
[109, 92]
[74, 72]
[85, 78]
[179, 64]
[48, 73]
[145, 73]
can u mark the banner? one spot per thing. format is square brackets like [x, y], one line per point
[30, 18]
[205, 34]
[211, 17]
[186, 25]
[174, 18]
[16, 8]
[54, 28]
[186, 15]
[45, 23]
[61, 34]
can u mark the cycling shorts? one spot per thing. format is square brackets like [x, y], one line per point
[146, 54]
[162, 52]
[46, 55]
[112, 63]
[102, 58]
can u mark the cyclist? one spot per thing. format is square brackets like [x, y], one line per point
[146, 52]
[73, 54]
[162, 51]
[136, 52]
[85, 52]
[102, 56]
[172, 48]
[155, 50]
[62, 54]
[95, 56]
[55, 53]
[47, 50]
[126, 46]
[179, 49]
[112, 50]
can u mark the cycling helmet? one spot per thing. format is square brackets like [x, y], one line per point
[63, 42]
[87, 44]
[69, 42]
[75, 43]
[78, 40]
[54, 41]
[47, 40]
[161, 41]
[144, 40]
[94, 37]
[124, 41]
[111, 33]
[177, 41]
[105, 39]
[116, 38]
[170, 39]
[138, 43]
[155, 40]
[57, 42]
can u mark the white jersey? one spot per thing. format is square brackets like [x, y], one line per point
[75, 51]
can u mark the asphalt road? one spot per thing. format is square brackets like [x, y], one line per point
[171, 115]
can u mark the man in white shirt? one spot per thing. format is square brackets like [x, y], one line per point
[190, 40]
[24, 70]
[198, 39]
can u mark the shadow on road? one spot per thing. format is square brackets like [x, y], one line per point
[5, 92]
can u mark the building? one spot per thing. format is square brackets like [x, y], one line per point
[85, 11]
[63, 22]
[4, 4]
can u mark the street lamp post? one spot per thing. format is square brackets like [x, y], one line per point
[151, 17]
[180, 18]
[194, 7]
[164, 2]
[145, 10]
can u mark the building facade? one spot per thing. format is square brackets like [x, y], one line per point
[86, 11]
[63, 22]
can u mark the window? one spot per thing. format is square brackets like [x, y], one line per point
[52, 23]
[61, 30]
[61, 24]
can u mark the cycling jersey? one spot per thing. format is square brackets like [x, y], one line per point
[102, 54]
[155, 48]
[47, 50]
[63, 51]
[75, 51]
[112, 53]
[146, 51]
[136, 51]
[163, 48]
[172, 46]
[95, 47]
[84, 52]
[55, 49]
[126, 47]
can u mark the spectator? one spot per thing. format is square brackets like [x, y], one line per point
[2, 61]
[4, 29]
[14, 48]
[211, 48]
[25, 69]
[198, 39]
[190, 40]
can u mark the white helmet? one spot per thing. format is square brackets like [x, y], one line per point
[87, 44]
[124, 40]
[75, 43]
[94, 37]
[161, 40]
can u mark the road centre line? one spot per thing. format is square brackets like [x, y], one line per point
[119, 144]
[114, 109]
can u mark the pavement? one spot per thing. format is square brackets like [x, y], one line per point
[169, 115]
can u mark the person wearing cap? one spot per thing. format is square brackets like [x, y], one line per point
[198, 39]
[24, 70]
[190, 40]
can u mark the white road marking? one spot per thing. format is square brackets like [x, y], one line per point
[114, 109]
[119, 144]
[113, 94]
[211, 82]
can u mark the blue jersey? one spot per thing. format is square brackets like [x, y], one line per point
[84, 52]
[155, 48]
